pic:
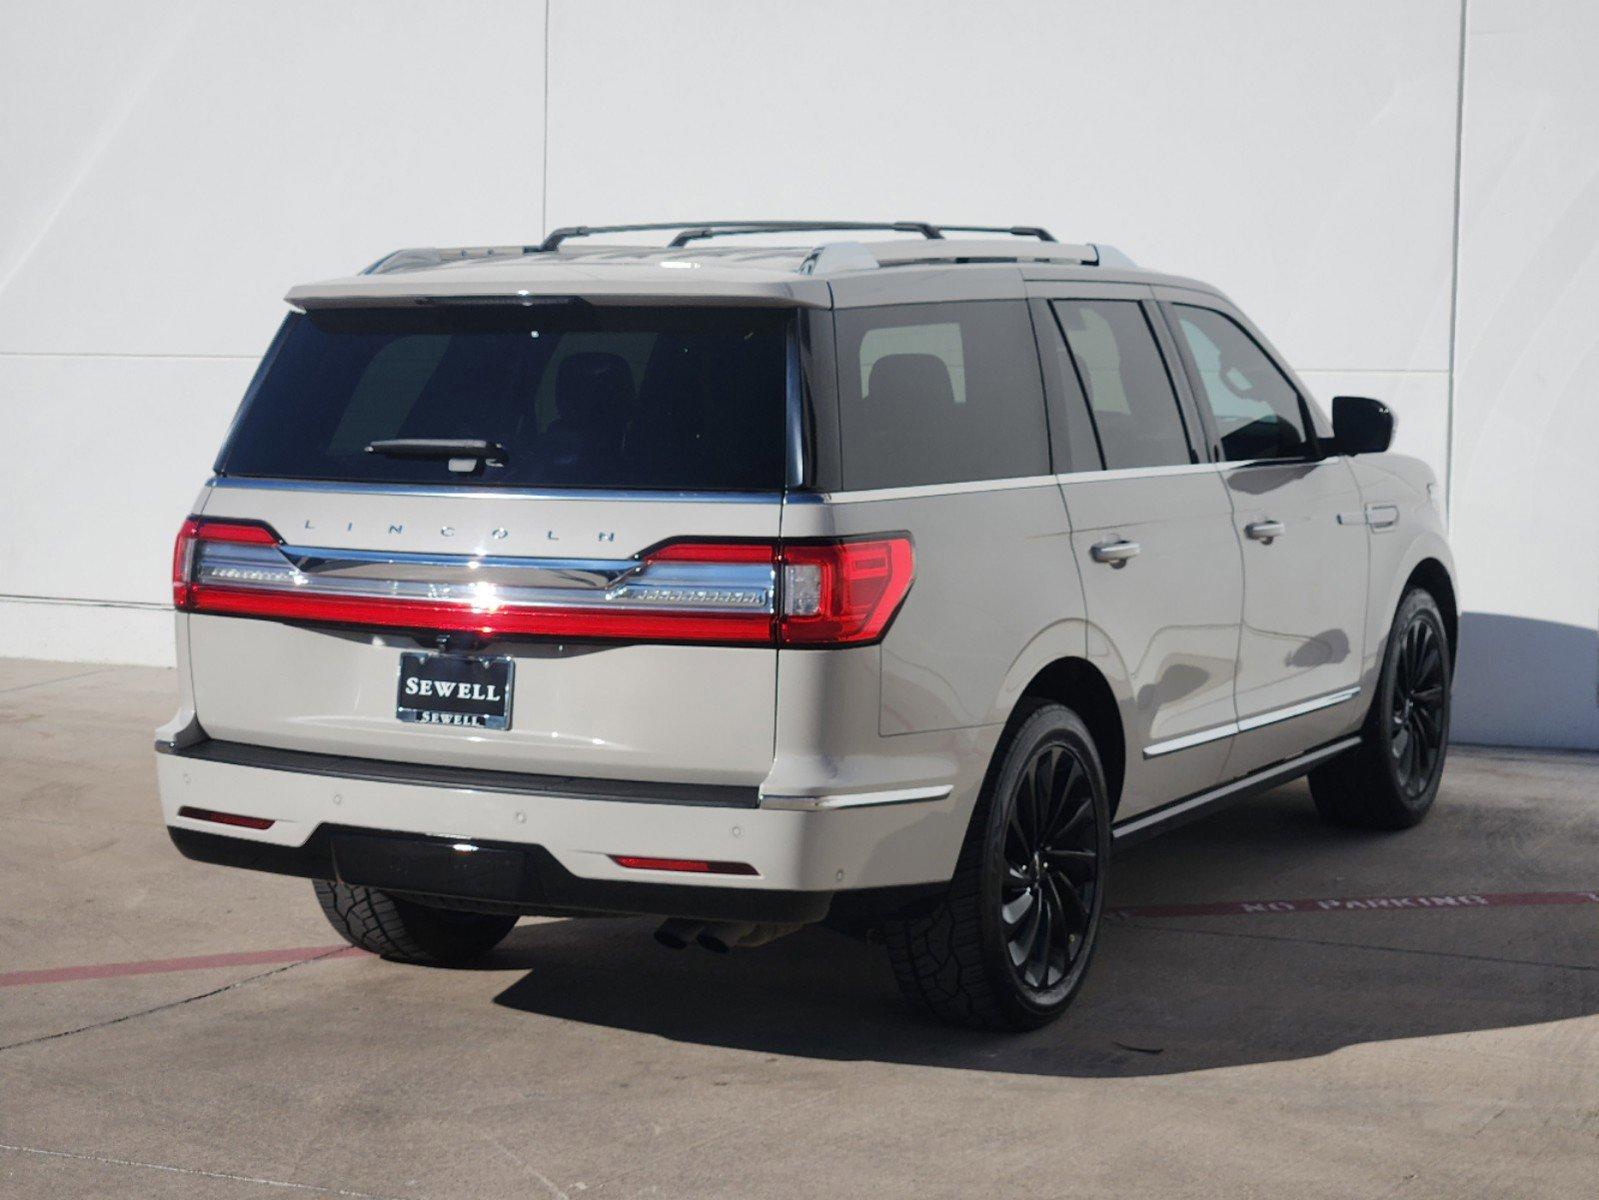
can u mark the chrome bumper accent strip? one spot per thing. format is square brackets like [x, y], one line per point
[856, 799]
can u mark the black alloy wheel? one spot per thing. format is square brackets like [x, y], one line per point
[1416, 716]
[1390, 780]
[1049, 891]
[1009, 944]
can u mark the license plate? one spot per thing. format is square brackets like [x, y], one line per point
[455, 689]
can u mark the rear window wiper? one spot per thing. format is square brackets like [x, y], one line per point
[463, 454]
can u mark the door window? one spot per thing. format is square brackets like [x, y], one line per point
[1124, 377]
[939, 393]
[1257, 412]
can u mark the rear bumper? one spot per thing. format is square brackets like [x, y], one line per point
[542, 843]
[514, 877]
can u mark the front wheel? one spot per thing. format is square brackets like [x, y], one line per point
[1391, 779]
[1009, 944]
[406, 930]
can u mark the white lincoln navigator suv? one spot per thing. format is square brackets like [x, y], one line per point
[888, 578]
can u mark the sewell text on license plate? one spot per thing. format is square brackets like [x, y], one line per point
[470, 691]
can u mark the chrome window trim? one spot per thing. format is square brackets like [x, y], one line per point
[1246, 724]
[498, 493]
[794, 411]
[1143, 472]
[932, 489]
[1001, 485]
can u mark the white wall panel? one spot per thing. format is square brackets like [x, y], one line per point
[87, 633]
[258, 146]
[168, 170]
[1526, 488]
[105, 457]
[1297, 155]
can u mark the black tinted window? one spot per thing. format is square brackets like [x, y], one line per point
[1129, 392]
[1257, 411]
[939, 393]
[578, 396]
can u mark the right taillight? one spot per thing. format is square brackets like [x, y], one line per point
[843, 593]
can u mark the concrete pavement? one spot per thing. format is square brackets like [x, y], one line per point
[1444, 1043]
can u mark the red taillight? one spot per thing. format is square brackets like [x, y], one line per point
[843, 593]
[690, 866]
[756, 593]
[713, 552]
[198, 529]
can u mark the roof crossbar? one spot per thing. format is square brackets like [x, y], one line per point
[690, 231]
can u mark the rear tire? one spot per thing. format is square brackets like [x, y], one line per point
[406, 930]
[1009, 944]
[1391, 779]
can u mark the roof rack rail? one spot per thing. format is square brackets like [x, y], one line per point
[1022, 231]
[690, 231]
[725, 228]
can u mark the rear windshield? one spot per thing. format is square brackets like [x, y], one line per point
[571, 396]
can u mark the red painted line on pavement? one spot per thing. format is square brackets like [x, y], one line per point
[1238, 908]
[157, 966]
[1226, 908]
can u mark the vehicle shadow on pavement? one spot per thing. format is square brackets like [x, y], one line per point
[1164, 996]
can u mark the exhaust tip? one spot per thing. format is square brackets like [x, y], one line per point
[676, 934]
[722, 936]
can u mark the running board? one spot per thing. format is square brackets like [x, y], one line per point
[1179, 812]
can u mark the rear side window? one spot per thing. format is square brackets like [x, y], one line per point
[576, 395]
[939, 393]
[1257, 411]
[1121, 370]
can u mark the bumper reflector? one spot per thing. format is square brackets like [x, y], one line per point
[692, 866]
[222, 818]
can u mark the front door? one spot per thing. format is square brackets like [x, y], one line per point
[1296, 516]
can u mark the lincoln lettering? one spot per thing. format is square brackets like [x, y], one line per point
[449, 689]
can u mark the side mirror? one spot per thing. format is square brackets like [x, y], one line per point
[1361, 425]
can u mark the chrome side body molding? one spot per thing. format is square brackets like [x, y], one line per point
[1245, 724]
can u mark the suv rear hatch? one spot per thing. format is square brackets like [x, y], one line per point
[577, 504]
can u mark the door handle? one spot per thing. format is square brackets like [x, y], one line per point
[1115, 553]
[1265, 531]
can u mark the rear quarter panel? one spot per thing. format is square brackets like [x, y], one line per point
[996, 597]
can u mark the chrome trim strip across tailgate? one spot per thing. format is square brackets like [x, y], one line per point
[490, 582]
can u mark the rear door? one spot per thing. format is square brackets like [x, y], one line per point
[529, 484]
[1299, 530]
[1152, 534]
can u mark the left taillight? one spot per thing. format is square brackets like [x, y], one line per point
[197, 530]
